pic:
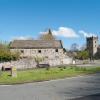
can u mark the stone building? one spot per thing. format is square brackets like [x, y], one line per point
[92, 46]
[51, 50]
[45, 48]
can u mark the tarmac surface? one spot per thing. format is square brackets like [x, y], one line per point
[90, 97]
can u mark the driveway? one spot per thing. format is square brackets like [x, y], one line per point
[63, 89]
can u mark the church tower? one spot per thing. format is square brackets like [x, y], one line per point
[92, 46]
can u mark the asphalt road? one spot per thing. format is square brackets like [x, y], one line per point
[63, 89]
[89, 97]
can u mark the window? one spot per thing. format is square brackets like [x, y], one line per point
[46, 56]
[22, 51]
[56, 50]
[39, 51]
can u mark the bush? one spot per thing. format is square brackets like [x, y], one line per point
[85, 62]
[62, 67]
[6, 55]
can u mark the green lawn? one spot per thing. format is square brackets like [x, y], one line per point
[36, 75]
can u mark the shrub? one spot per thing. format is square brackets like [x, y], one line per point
[6, 55]
[85, 62]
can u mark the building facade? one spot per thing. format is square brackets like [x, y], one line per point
[32, 48]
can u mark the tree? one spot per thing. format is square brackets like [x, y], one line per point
[74, 47]
[82, 55]
[38, 59]
[47, 36]
[6, 54]
[83, 47]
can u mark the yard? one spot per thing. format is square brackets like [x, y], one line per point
[37, 75]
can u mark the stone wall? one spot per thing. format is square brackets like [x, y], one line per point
[53, 57]
[27, 63]
[24, 63]
[48, 53]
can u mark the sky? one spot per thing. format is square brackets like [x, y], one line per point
[70, 20]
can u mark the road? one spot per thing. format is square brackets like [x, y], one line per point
[62, 89]
[89, 97]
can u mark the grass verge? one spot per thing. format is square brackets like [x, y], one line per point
[37, 75]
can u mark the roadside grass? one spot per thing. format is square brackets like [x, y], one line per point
[36, 75]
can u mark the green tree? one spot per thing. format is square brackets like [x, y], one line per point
[82, 55]
[6, 54]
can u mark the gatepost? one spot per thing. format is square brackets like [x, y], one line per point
[13, 71]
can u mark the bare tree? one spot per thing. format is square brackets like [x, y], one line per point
[47, 36]
[74, 47]
[83, 47]
[38, 59]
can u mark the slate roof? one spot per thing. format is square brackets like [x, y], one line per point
[35, 44]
